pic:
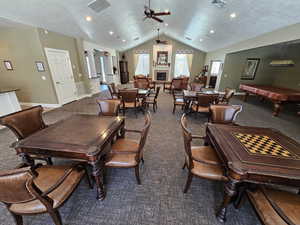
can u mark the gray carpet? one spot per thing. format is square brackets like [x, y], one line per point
[159, 200]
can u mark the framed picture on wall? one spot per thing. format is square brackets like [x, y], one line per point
[8, 65]
[40, 66]
[250, 69]
[162, 58]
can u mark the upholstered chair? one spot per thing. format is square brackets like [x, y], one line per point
[30, 191]
[184, 82]
[113, 91]
[224, 114]
[275, 207]
[141, 83]
[151, 99]
[108, 107]
[196, 87]
[152, 83]
[128, 153]
[178, 100]
[227, 96]
[203, 102]
[25, 123]
[129, 100]
[201, 161]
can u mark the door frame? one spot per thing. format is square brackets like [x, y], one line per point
[59, 98]
[219, 73]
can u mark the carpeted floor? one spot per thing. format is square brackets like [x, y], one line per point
[159, 200]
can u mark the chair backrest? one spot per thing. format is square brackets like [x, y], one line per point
[196, 86]
[108, 107]
[187, 139]
[128, 95]
[176, 83]
[140, 76]
[224, 114]
[205, 100]
[24, 123]
[16, 186]
[111, 89]
[144, 133]
[184, 82]
[228, 94]
[141, 83]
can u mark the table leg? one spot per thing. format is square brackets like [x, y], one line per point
[246, 96]
[97, 174]
[230, 192]
[277, 108]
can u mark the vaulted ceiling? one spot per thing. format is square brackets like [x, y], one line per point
[190, 18]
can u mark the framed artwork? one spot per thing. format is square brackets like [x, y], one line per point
[8, 65]
[40, 66]
[250, 69]
[162, 58]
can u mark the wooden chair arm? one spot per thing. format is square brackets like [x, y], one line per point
[198, 137]
[133, 131]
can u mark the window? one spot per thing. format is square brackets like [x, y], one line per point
[181, 65]
[143, 64]
[215, 68]
[87, 60]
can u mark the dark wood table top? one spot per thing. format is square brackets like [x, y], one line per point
[255, 153]
[81, 134]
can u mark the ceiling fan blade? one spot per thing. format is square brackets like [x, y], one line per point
[162, 14]
[157, 19]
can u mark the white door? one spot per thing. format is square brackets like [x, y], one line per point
[62, 75]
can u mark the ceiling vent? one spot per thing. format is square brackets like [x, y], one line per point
[98, 5]
[282, 63]
[219, 3]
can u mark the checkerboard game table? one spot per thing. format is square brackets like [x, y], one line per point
[254, 155]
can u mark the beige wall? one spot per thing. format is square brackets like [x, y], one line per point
[198, 56]
[277, 76]
[22, 47]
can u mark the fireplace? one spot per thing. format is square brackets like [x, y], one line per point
[161, 75]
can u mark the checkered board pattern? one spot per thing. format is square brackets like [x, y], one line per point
[263, 145]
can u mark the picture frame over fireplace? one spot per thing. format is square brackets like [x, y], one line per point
[162, 58]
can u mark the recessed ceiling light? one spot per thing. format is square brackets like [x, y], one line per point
[232, 15]
[111, 32]
[166, 24]
[124, 40]
[167, 10]
[212, 31]
[88, 18]
[201, 40]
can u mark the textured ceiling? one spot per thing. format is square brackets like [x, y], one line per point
[192, 18]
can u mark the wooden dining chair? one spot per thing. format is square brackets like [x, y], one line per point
[201, 161]
[25, 123]
[30, 191]
[178, 100]
[224, 114]
[229, 93]
[108, 107]
[128, 153]
[151, 99]
[129, 100]
[275, 207]
[141, 83]
[184, 82]
[203, 102]
[196, 87]
[113, 91]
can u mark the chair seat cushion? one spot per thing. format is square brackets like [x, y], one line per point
[47, 177]
[205, 154]
[274, 207]
[121, 160]
[209, 167]
[179, 101]
[200, 109]
[125, 145]
[131, 105]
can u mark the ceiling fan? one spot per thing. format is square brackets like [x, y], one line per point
[151, 14]
[158, 41]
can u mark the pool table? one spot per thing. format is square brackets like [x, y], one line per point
[277, 95]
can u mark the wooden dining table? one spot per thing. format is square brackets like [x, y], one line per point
[253, 155]
[84, 138]
[190, 96]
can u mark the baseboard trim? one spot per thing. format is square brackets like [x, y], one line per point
[42, 104]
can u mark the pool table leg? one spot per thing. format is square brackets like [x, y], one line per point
[277, 108]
